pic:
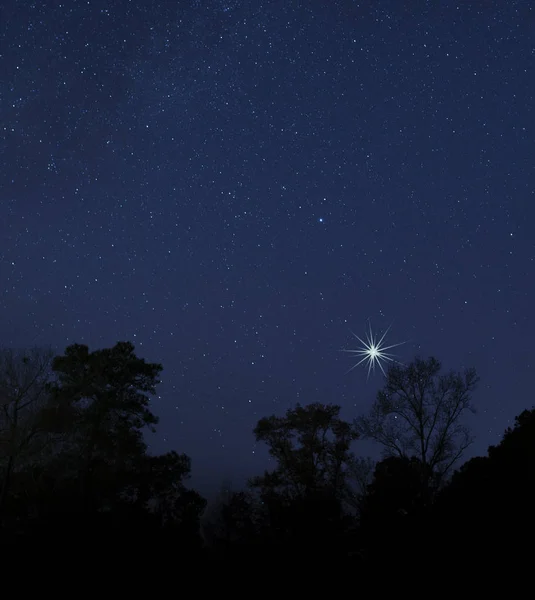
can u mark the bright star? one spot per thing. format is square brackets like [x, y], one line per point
[374, 352]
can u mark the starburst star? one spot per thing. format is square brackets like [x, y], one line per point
[374, 352]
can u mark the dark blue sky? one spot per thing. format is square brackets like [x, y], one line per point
[234, 186]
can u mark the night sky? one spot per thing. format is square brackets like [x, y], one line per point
[235, 186]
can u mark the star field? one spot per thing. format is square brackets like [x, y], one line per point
[236, 186]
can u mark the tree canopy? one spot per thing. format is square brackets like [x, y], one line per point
[311, 445]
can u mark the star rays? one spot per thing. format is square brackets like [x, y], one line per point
[373, 351]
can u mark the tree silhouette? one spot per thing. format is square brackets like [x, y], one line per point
[505, 478]
[162, 491]
[105, 395]
[311, 445]
[490, 498]
[303, 496]
[24, 376]
[419, 414]
[518, 446]
[96, 479]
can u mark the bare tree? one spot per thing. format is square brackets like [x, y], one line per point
[419, 414]
[24, 376]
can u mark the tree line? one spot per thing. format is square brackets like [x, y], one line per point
[75, 468]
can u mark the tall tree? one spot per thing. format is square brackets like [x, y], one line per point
[96, 477]
[106, 396]
[311, 445]
[303, 497]
[419, 413]
[24, 376]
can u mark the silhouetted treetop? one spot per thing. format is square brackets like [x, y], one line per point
[98, 406]
[518, 442]
[311, 445]
[114, 377]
